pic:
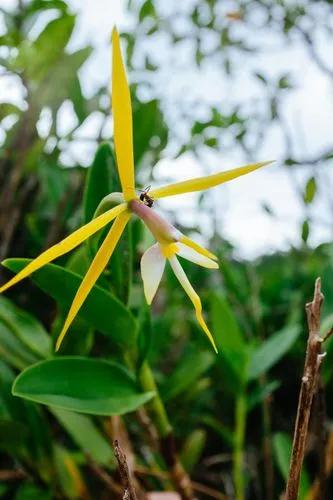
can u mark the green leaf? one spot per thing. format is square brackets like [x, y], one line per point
[191, 366]
[86, 435]
[68, 473]
[49, 46]
[101, 310]
[192, 449]
[81, 384]
[305, 231]
[310, 190]
[272, 350]
[148, 123]
[13, 351]
[31, 492]
[102, 179]
[227, 333]
[233, 357]
[147, 10]
[25, 327]
[12, 435]
[282, 450]
[59, 84]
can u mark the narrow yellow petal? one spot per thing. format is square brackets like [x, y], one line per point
[192, 244]
[206, 182]
[96, 268]
[184, 281]
[122, 120]
[72, 241]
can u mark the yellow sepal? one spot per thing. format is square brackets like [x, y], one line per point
[206, 182]
[122, 121]
[198, 248]
[96, 268]
[195, 299]
[66, 245]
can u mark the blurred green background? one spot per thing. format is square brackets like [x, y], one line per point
[232, 414]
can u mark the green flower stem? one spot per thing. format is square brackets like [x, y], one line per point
[156, 406]
[180, 478]
[238, 453]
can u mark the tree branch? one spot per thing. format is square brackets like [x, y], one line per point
[309, 386]
[125, 476]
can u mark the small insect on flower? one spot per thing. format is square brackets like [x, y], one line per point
[144, 196]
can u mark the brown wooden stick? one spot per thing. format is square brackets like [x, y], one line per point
[125, 477]
[309, 385]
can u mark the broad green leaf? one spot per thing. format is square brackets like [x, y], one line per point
[81, 384]
[190, 367]
[86, 435]
[101, 310]
[101, 180]
[282, 450]
[272, 350]
[25, 327]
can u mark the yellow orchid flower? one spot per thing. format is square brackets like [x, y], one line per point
[170, 242]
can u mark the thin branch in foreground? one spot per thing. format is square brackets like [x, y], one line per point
[125, 477]
[309, 387]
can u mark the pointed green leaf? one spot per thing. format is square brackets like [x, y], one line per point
[86, 385]
[25, 327]
[272, 350]
[191, 366]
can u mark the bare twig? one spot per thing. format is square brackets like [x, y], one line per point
[13, 475]
[125, 476]
[309, 384]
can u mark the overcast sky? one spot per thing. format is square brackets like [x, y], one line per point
[308, 111]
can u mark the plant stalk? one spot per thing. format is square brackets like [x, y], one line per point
[238, 453]
[179, 477]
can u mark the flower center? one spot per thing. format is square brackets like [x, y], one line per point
[164, 232]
